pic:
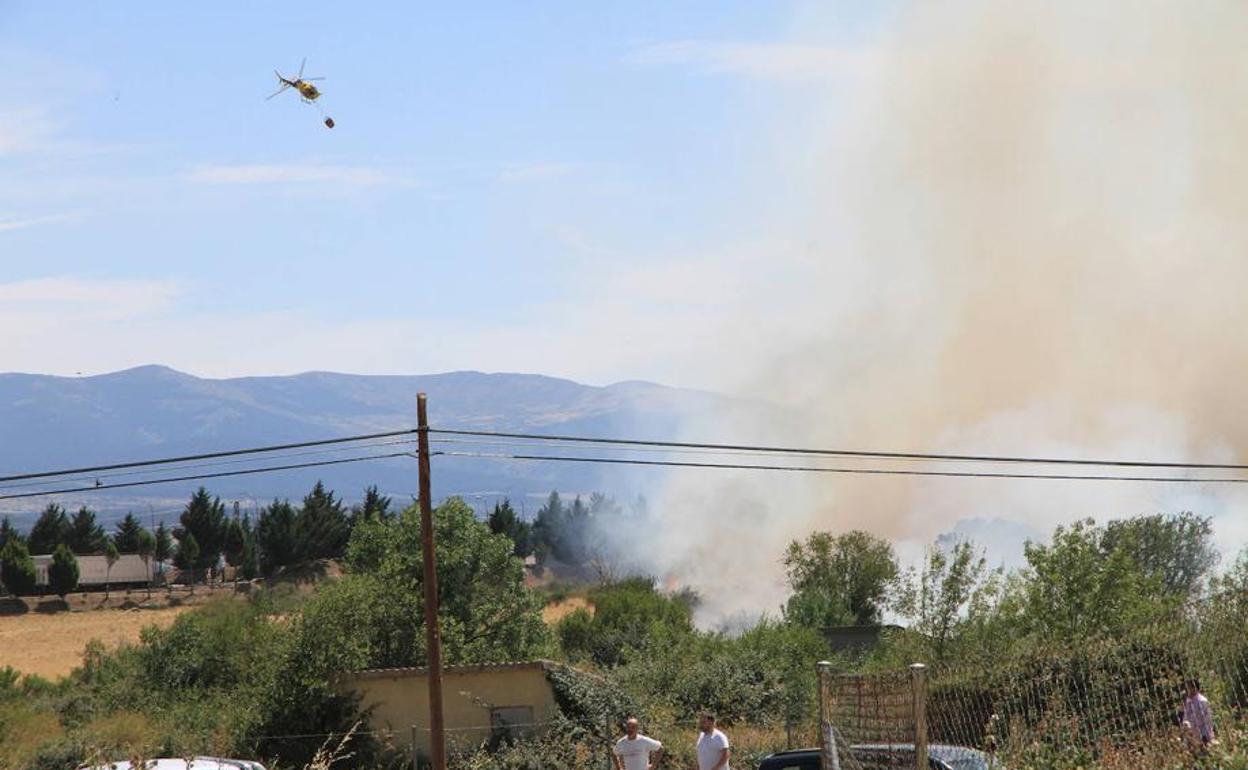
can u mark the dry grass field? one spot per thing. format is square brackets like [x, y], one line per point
[51, 645]
[555, 612]
[47, 637]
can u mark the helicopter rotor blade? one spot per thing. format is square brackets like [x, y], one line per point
[301, 66]
[309, 80]
[278, 91]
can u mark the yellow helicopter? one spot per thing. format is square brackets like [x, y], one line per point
[308, 93]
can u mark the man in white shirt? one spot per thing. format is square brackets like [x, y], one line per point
[636, 751]
[712, 745]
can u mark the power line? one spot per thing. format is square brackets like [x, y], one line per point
[193, 466]
[846, 471]
[849, 452]
[207, 456]
[195, 477]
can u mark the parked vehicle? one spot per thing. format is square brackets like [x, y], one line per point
[887, 756]
[196, 763]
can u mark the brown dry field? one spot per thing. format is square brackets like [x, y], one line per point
[51, 645]
[553, 613]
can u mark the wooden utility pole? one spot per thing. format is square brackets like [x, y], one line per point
[433, 637]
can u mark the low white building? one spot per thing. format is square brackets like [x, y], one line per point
[93, 570]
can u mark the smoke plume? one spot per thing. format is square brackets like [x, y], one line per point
[1027, 234]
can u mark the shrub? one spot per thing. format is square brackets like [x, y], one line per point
[63, 572]
[17, 569]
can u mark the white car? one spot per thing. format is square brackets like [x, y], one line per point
[197, 763]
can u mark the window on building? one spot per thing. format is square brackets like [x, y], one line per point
[510, 723]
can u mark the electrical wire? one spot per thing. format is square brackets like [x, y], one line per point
[726, 452]
[208, 455]
[194, 466]
[846, 471]
[196, 477]
[847, 452]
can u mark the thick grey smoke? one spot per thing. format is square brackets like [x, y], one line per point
[1029, 235]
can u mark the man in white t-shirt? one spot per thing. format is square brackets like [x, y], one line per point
[636, 751]
[712, 745]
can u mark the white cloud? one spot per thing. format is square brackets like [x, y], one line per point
[762, 61]
[355, 176]
[16, 223]
[536, 172]
[26, 129]
[57, 304]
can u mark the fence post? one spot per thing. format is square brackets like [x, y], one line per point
[918, 688]
[829, 756]
[415, 758]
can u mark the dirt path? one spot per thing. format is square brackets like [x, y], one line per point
[51, 645]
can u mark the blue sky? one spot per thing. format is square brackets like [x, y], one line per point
[539, 187]
[949, 226]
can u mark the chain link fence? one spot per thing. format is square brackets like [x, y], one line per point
[1171, 693]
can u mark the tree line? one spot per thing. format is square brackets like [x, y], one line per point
[571, 533]
[283, 534]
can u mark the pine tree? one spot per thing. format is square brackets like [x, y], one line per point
[375, 507]
[504, 521]
[8, 532]
[17, 569]
[188, 554]
[63, 571]
[321, 526]
[204, 518]
[50, 530]
[85, 535]
[275, 536]
[549, 528]
[235, 545]
[162, 550]
[126, 537]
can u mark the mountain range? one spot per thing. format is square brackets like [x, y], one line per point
[51, 422]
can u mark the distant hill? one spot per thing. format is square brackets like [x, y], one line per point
[51, 422]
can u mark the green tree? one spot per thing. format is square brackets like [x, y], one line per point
[374, 506]
[50, 530]
[839, 580]
[504, 521]
[321, 525]
[1076, 587]
[188, 554]
[163, 549]
[85, 534]
[63, 571]
[111, 555]
[276, 536]
[250, 566]
[1178, 549]
[8, 532]
[204, 517]
[627, 614]
[549, 529]
[126, 534]
[487, 613]
[17, 569]
[235, 545]
[145, 547]
[952, 587]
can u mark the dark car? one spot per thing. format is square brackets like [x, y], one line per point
[886, 756]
